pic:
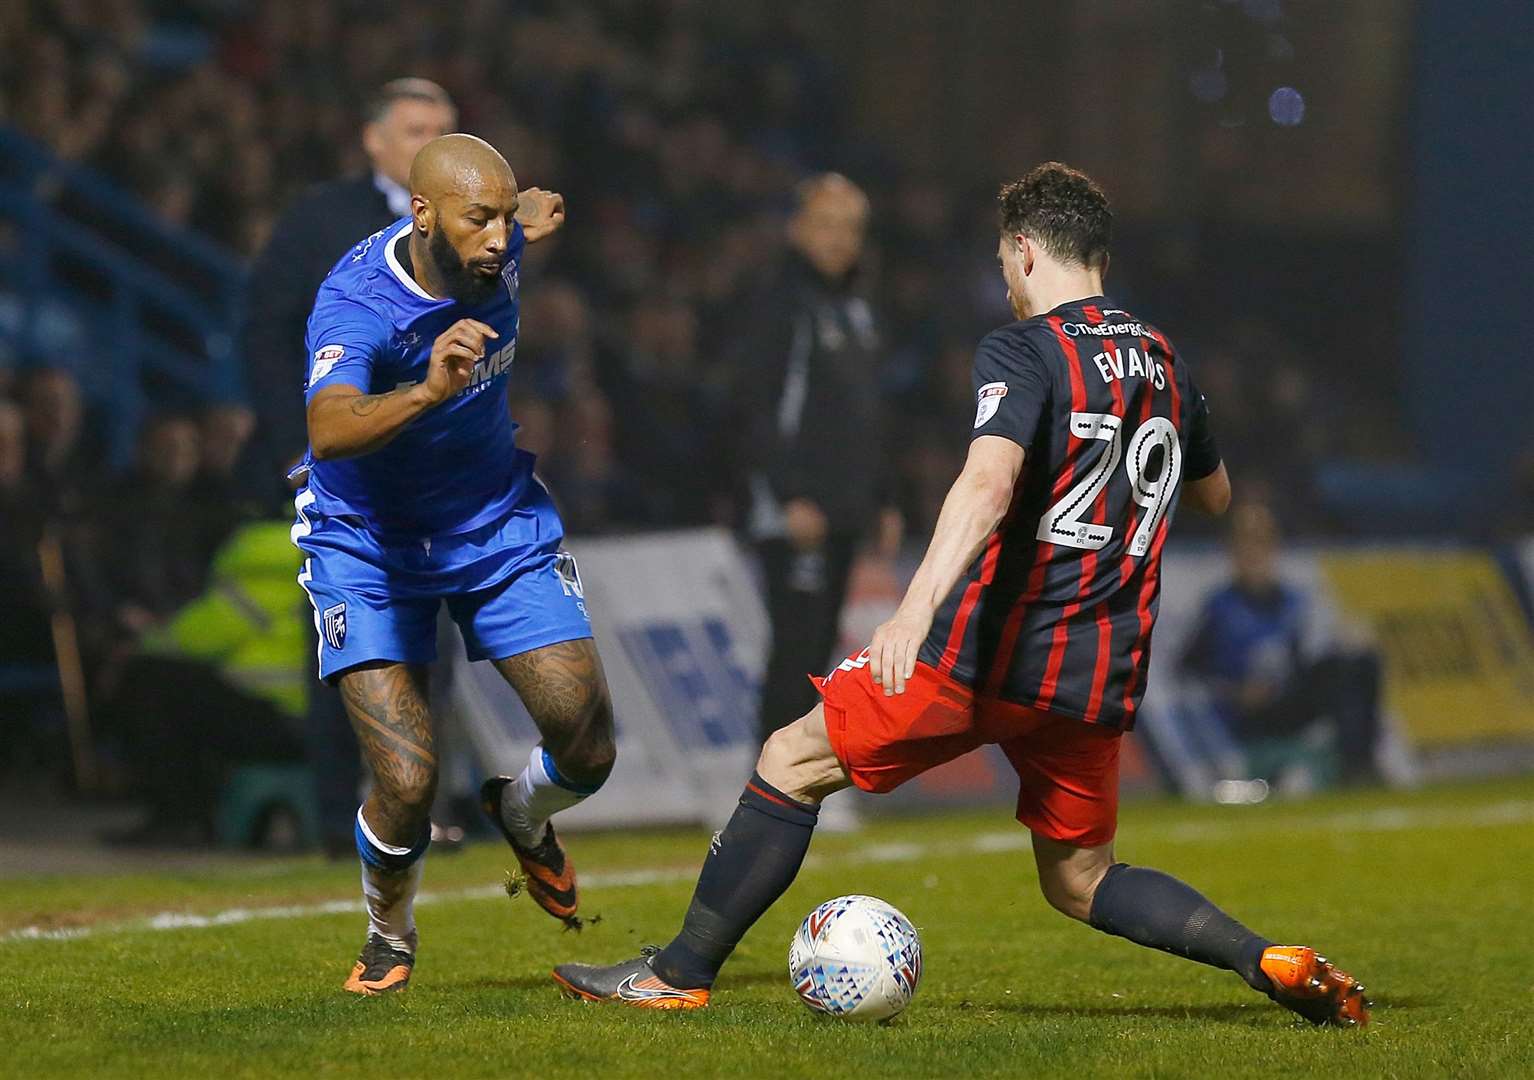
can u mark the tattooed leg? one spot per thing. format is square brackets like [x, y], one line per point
[566, 693]
[387, 705]
[386, 702]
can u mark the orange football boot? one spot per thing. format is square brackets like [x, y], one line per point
[632, 982]
[1307, 983]
[550, 875]
[380, 968]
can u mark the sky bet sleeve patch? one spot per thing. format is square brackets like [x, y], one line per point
[990, 396]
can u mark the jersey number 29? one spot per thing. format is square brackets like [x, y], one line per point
[1062, 524]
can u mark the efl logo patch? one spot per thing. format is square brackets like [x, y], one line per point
[324, 360]
[990, 400]
[335, 626]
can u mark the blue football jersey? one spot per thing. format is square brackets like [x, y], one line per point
[453, 468]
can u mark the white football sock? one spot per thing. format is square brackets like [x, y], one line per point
[390, 894]
[533, 797]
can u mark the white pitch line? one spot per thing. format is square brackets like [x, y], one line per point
[1387, 819]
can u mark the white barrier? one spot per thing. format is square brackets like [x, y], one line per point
[683, 637]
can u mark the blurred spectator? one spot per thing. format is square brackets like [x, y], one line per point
[592, 487]
[28, 685]
[24, 637]
[667, 416]
[310, 237]
[1271, 685]
[808, 366]
[57, 459]
[237, 653]
[147, 550]
[225, 492]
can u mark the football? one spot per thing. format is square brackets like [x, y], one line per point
[856, 958]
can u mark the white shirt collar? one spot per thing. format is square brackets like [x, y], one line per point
[399, 271]
[396, 196]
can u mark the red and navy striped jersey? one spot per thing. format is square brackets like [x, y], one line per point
[1057, 610]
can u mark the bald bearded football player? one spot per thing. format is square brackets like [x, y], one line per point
[416, 495]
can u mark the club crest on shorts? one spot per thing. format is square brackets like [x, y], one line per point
[335, 625]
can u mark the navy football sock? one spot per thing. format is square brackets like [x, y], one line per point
[1156, 910]
[750, 863]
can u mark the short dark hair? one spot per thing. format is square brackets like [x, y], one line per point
[407, 89]
[1063, 210]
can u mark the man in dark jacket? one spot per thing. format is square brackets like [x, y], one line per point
[816, 450]
[305, 243]
[403, 116]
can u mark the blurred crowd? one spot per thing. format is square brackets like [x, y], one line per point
[677, 129]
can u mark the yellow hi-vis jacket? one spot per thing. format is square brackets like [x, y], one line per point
[250, 621]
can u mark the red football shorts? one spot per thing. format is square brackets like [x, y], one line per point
[1067, 770]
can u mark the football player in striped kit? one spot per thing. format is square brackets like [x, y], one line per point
[1028, 625]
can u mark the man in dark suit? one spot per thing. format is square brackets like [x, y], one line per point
[403, 116]
[314, 232]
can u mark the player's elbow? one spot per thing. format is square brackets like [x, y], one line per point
[1211, 494]
[321, 446]
[324, 440]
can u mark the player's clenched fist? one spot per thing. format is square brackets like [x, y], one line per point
[540, 212]
[453, 356]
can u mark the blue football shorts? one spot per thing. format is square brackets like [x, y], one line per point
[509, 585]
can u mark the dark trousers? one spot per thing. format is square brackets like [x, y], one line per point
[805, 591]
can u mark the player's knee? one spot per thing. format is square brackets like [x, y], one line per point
[413, 791]
[1067, 899]
[798, 761]
[776, 759]
[1070, 892]
[588, 750]
[593, 759]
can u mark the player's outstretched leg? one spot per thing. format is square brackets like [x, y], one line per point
[1156, 910]
[566, 694]
[387, 706]
[751, 862]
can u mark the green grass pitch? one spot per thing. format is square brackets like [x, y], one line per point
[1428, 897]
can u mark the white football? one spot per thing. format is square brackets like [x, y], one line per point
[856, 958]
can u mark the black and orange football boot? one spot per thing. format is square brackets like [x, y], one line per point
[1306, 983]
[550, 875]
[632, 982]
[381, 968]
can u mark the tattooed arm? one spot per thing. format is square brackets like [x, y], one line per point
[345, 422]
